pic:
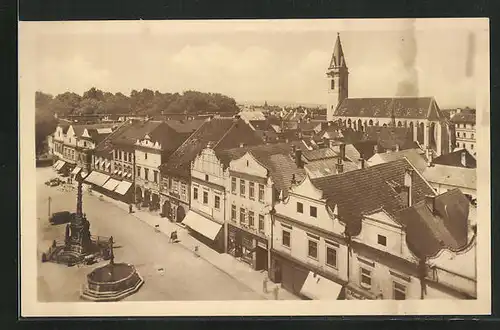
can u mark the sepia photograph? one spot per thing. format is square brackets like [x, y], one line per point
[255, 167]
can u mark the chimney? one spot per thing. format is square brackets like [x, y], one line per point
[342, 151]
[294, 181]
[298, 158]
[408, 183]
[339, 166]
[294, 148]
[361, 162]
[397, 147]
[430, 201]
[463, 158]
[375, 149]
[242, 145]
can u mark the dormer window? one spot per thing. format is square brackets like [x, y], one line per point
[145, 155]
[382, 240]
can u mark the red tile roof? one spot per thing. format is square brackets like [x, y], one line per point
[400, 107]
[428, 232]
[222, 133]
[366, 190]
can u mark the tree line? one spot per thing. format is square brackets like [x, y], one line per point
[145, 102]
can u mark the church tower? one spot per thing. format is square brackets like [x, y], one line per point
[337, 75]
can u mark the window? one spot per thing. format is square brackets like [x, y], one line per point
[472, 136]
[130, 157]
[331, 256]
[233, 212]
[366, 278]
[285, 238]
[233, 185]
[242, 187]
[312, 250]
[242, 215]
[313, 211]
[332, 84]
[195, 193]
[458, 134]
[251, 190]
[205, 197]
[146, 174]
[145, 155]
[183, 191]
[382, 240]
[250, 219]
[155, 176]
[217, 202]
[472, 147]
[300, 207]
[261, 222]
[261, 192]
[399, 291]
[206, 177]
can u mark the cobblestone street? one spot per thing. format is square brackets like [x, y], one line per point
[170, 271]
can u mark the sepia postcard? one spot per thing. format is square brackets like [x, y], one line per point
[255, 167]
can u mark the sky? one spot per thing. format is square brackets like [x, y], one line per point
[274, 61]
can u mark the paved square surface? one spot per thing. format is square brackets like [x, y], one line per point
[170, 272]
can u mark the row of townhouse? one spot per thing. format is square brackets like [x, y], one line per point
[73, 146]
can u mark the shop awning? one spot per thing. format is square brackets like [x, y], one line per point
[204, 226]
[56, 164]
[111, 184]
[317, 287]
[60, 166]
[123, 187]
[97, 178]
[76, 170]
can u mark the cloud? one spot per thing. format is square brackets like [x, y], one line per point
[74, 74]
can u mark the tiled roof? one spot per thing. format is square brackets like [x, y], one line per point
[366, 190]
[401, 107]
[252, 115]
[222, 133]
[451, 175]
[325, 167]
[455, 159]
[262, 125]
[388, 138]
[79, 129]
[134, 131]
[429, 232]
[277, 158]
[96, 136]
[318, 154]
[415, 156]
[464, 117]
[185, 126]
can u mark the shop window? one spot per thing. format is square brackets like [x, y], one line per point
[300, 207]
[145, 155]
[365, 278]
[233, 185]
[233, 212]
[205, 197]
[217, 202]
[250, 219]
[382, 240]
[313, 211]
[399, 291]
[261, 223]
[195, 193]
[285, 238]
[251, 190]
[155, 178]
[261, 192]
[331, 256]
[242, 187]
[312, 250]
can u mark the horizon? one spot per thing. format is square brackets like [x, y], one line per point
[271, 61]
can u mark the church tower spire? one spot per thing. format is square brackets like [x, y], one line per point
[337, 75]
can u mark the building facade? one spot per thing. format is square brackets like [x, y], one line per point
[465, 129]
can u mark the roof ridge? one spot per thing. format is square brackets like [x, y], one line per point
[189, 137]
[225, 134]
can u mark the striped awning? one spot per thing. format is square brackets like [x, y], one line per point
[111, 184]
[317, 287]
[123, 187]
[202, 225]
[97, 178]
[56, 164]
[60, 165]
[76, 170]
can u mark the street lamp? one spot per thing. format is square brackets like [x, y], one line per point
[50, 199]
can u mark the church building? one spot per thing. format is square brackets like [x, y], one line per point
[429, 127]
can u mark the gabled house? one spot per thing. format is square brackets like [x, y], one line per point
[175, 186]
[353, 235]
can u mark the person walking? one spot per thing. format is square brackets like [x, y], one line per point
[264, 284]
[130, 208]
[275, 291]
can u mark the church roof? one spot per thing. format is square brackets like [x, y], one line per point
[386, 107]
[338, 58]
